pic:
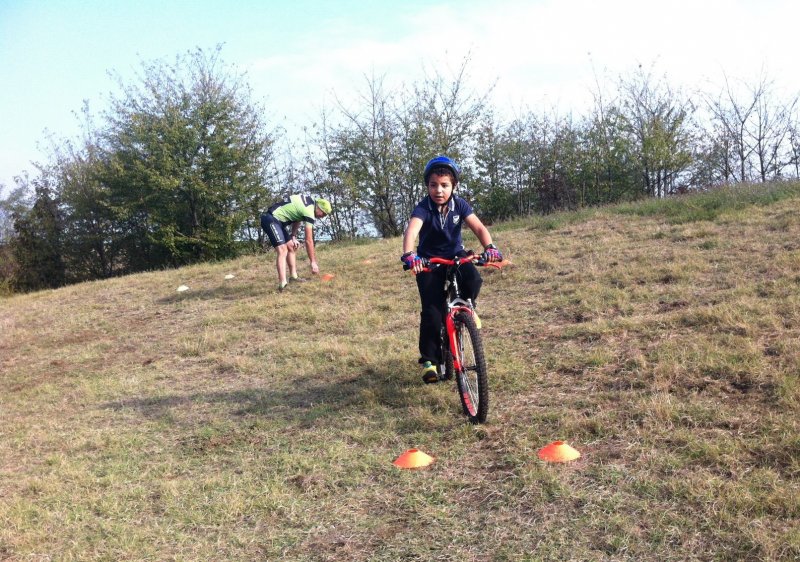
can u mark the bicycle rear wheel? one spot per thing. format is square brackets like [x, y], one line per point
[472, 378]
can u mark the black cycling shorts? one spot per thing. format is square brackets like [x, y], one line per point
[277, 232]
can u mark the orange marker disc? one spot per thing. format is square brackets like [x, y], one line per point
[413, 458]
[558, 451]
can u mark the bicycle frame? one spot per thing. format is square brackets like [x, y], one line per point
[454, 304]
[460, 341]
[453, 301]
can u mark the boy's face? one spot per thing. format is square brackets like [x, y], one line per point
[319, 213]
[440, 188]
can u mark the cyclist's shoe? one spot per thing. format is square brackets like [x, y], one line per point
[429, 373]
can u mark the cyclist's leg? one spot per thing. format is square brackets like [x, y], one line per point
[470, 281]
[277, 237]
[291, 260]
[431, 293]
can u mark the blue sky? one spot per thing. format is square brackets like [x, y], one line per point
[299, 55]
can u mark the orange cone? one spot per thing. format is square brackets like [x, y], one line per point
[558, 451]
[413, 458]
[328, 276]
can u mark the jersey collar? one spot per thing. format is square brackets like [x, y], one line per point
[451, 205]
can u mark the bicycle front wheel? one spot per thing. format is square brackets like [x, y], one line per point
[472, 378]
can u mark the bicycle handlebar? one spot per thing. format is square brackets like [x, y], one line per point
[477, 259]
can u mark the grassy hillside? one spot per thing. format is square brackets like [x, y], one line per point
[231, 422]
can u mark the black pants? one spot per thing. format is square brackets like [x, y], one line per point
[431, 293]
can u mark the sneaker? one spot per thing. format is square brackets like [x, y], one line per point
[296, 280]
[282, 286]
[429, 373]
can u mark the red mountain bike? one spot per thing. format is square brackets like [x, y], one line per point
[460, 341]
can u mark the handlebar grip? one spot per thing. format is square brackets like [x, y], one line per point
[425, 262]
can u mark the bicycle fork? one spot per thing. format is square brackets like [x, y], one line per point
[459, 305]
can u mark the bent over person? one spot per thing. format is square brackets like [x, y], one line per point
[281, 223]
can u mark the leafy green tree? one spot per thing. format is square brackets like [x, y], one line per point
[608, 164]
[489, 193]
[37, 243]
[92, 246]
[186, 162]
[414, 145]
[525, 164]
[16, 203]
[558, 146]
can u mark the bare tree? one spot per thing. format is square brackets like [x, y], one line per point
[755, 128]
[328, 175]
[731, 117]
[794, 145]
[439, 115]
[658, 120]
[770, 131]
[366, 143]
[449, 109]
[382, 146]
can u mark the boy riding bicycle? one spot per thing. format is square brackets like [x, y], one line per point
[437, 220]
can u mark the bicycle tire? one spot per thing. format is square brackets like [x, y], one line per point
[472, 378]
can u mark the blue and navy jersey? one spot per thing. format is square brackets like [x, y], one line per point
[440, 235]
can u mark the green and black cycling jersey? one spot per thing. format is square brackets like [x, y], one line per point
[298, 208]
[276, 222]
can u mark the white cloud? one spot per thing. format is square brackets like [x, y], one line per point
[540, 53]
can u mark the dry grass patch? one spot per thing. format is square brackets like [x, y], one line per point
[233, 422]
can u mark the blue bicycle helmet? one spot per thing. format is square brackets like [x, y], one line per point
[441, 162]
